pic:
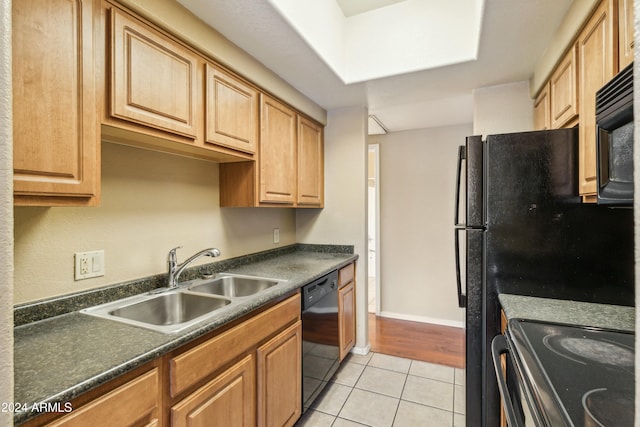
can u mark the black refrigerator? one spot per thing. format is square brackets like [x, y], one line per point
[526, 232]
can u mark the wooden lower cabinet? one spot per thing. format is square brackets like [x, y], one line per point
[248, 375]
[346, 309]
[135, 403]
[280, 378]
[503, 365]
[227, 400]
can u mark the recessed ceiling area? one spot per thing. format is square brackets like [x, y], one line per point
[512, 38]
[396, 38]
[355, 7]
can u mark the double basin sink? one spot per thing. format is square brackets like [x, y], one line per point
[173, 310]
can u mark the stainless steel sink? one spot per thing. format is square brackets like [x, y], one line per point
[170, 309]
[173, 310]
[233, 286]
[167, 312]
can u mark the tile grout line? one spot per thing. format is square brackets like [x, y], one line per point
[349, 395]
[404, 385]
[399, 399]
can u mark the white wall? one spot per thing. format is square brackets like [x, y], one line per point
[417, 191]
[502, 109]
[6, 216]
[344, 218]
[151, 202]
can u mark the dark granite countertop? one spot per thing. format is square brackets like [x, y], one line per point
[58, 358]
[568, 312]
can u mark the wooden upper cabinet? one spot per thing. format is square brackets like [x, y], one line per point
[625, 33]
[56, 145]
[153, 78]
[598, 52]
[277, 152]
[563, 91]
[231, 112]
[310, 164]
[542, 110]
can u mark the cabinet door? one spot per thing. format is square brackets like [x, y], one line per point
[347, 318]
[541, 110]
[563, 88]
[347, 308]
[231, 111]
[310, 164]
[228, 400]
[625, 33]
[56, 145]
[598, 64]
[277, 152]
[280, 378]
[132, 404]
[153, 78]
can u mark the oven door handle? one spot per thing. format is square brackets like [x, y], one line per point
[498, 348]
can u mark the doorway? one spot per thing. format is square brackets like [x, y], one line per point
[373, 232]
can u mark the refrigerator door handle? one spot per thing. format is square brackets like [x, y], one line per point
[462, 298]
[461, 156]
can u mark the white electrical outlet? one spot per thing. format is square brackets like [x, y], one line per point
[89, 264]
[276, 235]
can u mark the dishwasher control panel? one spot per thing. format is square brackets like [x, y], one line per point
[317, 289]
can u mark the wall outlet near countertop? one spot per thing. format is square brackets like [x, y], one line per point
[89, 264]
[276, 235]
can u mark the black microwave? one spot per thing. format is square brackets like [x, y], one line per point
[614, 149]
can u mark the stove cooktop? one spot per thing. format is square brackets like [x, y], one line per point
[585, 375]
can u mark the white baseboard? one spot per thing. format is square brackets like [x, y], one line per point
[423, 319]
[362, 351]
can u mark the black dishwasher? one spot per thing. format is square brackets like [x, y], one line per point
[320, 340]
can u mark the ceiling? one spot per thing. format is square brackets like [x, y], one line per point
[303, 46]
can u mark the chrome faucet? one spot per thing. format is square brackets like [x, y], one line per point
[175, 269]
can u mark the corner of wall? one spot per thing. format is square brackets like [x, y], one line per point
[6, 215]
[502, 109]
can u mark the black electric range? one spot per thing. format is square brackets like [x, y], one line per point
[570, 375]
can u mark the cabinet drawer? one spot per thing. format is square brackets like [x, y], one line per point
[196, 364]
[346, 275]
[132, 403]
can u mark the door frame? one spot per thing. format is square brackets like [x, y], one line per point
[375, 148]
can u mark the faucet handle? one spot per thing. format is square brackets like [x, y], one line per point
[172, 257]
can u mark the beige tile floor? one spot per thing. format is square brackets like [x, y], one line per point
[382, 391]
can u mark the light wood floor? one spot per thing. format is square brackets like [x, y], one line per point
[419, 341]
